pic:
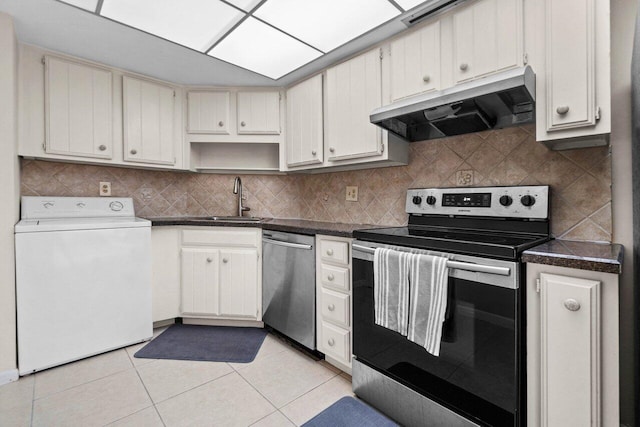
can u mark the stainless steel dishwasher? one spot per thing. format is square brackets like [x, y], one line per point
[289, 285]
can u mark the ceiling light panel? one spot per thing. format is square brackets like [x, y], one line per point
[89, 5]
[326, 24]
[410, 4]
[193, 23]
[245, 5]
[258, 47]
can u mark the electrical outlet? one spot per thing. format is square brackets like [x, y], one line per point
[105, 188]
[352, 194]
[464, 178]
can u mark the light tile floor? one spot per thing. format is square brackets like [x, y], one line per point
[281, 387]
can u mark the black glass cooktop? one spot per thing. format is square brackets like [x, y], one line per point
[490, 244]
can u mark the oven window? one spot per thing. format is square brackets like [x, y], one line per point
[477, 371]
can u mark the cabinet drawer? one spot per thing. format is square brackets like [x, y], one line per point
[335, 277]
[336, 307]
[335, 342]
[331, 250]
[222, 236]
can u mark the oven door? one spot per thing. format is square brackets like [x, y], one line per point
[477, 373]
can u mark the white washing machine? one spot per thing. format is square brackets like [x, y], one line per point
[83, 279]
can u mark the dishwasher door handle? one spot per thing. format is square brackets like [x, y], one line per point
[287, 244]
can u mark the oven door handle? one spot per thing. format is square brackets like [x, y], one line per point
[480, 268]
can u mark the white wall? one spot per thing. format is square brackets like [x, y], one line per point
[623, 14]
[9, 195]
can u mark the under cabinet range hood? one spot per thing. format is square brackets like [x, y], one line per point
[498, 101]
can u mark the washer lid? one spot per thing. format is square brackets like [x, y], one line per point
[70, 224]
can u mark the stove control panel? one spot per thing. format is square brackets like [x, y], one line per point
[529, 201]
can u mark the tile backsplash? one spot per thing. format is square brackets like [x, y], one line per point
[580, 183]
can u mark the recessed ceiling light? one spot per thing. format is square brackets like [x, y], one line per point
[197, 24]
[326, 24]
[263, 49]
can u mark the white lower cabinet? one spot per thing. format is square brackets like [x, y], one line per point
[165, 273]
[572, 347]
[221, 273]
[333, 300]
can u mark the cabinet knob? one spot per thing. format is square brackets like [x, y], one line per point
[331, 342]
[209, 259]
[330, 277]
[134, 151]
[102, 147]
[220, 123]
[426, 78]
[571, 304]
[225, 260]
[562, 110]
[329, 252]
[243, 124]
[313, 152]
[464, 66]
[333, 150]
[331, 307]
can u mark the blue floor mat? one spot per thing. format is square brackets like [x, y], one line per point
[350, 412]
[205, 343]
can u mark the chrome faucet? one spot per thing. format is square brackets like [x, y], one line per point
[237, 189]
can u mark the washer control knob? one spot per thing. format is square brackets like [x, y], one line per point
[116, 206]
[417, 200]
[431, 200]
[527, 200]
[506, 200]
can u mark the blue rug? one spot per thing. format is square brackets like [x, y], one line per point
[349, 412]
[205, 343]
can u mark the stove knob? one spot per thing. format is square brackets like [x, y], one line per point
[527, 200]
[506, 200]
[431, 200]
[417, 200]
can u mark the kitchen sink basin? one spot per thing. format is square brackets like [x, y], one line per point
[243, 219]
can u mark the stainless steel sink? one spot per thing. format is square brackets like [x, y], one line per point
[238, 219]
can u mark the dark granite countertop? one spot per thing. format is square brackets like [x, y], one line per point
[300, 226]
[592, 256]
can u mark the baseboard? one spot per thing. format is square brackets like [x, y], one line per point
[9, 376]
[222, 322]
[163, 323]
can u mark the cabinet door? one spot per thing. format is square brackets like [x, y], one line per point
[148, 122]
[487, 37]
[570, 359]
[415, 62]
[304, 134]
[353, 89]
[208, 112]
[570, 46]
[239, 283]
[259, 113]
[79, 109]
[200, 281]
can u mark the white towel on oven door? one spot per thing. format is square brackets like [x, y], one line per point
[428, 279]
[391, 289]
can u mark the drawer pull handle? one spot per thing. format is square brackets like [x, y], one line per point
[571, 304]
[330, 277]
[464, 66]
[225, 260]
[209, 260]
[134, 151]
[314, 152]
[331, 149]
[102, 147]
[331, 342]
[562, 110]
[331, 307]
[220, 123]
[426, 78]
[243, 124]
[329, 252]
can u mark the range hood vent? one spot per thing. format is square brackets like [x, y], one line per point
[498, 101]
[429, 9]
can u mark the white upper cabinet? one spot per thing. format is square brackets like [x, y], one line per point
[78, 109]
[259, 113]
[415, 62]
[148, 121]
[304, 133]
[208, 112]
[487, 37]
[352, 90]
